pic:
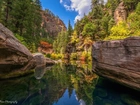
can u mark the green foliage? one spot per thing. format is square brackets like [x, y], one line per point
[21, 39]
[23, 18]
[48, 55]
[89, 30]
[112, 5]
[70, 30]
[74, 38]
[119, 31]
[56, 56]
[138, 9]
[73, 56]
[59, 45]
[86, 56]
[131, 4]
[134, 21]
[111, 23]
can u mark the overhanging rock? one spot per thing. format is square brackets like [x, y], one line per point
[118, 61]
[13, 55]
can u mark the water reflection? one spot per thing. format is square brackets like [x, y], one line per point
[109, 93]
[40, 71]
[68, 100]
[65, 84]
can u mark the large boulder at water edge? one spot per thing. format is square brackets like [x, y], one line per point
[13, 55]
[41, 60]
[118, 61]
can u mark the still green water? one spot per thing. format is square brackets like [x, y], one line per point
[65, 84]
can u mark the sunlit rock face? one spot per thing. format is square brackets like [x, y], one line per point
[118, 61]
[120, 13]
[51, 23]
[13, 54]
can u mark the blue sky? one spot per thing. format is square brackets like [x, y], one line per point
[68, 9]
[58, 9]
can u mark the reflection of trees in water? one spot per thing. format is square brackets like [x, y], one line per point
[51, 85]
[78, 78]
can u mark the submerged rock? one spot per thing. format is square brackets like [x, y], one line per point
[13, 55]
[118, 61]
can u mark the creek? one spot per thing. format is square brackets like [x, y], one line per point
[65, 84]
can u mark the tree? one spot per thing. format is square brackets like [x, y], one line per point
[89, 30]
[1, 9]
[134, 21]
[59, 45]
[138, 9]
[6, 7]
[131, 4]
[70, 30]
[112, 5]
[23, 18]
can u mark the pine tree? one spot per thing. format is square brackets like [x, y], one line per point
[6, 7]
[70, 30]
[131, 4]
[1, 9]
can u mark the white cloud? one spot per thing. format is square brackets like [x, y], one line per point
[61, 1]
[80, 6]
[67, 7]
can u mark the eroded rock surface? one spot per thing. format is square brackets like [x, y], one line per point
[118, 60]
[13, 55]
[120, 13]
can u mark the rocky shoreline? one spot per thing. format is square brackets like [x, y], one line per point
[15, 58]
[118, 61]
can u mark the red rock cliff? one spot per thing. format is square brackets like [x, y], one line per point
[51, 23]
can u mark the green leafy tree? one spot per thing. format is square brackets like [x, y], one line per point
[89, 30]
[138, 9]
[23, 18]
[59, 45]
[1, 9]
[6, 7]
[70, 30]
[134, 21]
[112, 5]
[131, 4]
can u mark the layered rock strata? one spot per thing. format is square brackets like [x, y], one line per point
[118, 61]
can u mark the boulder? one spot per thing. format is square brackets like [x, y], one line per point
[118, 61]
[42, 60]
[13, 55]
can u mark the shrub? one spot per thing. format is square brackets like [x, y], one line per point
[73, 56]
[119, 31]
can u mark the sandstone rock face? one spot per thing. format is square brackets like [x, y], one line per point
[118, 61]
[120, 13]
[12, 53]
[52, 24]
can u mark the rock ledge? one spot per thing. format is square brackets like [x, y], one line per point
[118, 61]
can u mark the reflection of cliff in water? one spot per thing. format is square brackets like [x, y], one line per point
[110, 93]
[61, 83]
